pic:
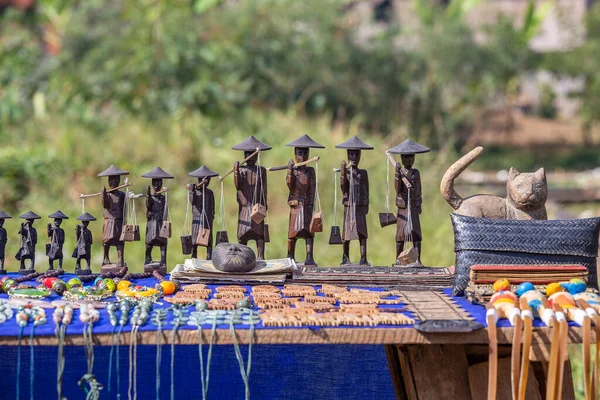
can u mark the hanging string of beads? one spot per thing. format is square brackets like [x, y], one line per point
[139, 318]
[62, 317]
[158, 319]
[88, 314]
[243, 306]
[124, 307]
[203, 316]
[111, 309]
[6, 313]
[179, 318]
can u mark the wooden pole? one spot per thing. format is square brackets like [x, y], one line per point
[296, 165]
[242, 162]
[85, 196]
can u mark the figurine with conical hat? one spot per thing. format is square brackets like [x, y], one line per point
[157, 214]
[251, 184]
[83, 248]
[302, 184]
[408, 179]
[113, 202]
[57, 239]
[28, 242]
[202, 200]
[355, 190]
[3, 241]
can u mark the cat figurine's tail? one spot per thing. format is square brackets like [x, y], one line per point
[447, 185]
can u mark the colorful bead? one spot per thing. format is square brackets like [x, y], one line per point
[574, 286]
[123, 284]
[168, 287]
[110, 284]
[48, 282]
[9, 284]
[59, 286]
[524, 288]
[74, 283]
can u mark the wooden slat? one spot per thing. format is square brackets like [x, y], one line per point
[312, 336]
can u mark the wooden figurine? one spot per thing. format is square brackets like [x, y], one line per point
[202, 200]
[355, 189]
[113, 202]
[83, 249]
[251, 184]
[158, 226]
[28, 242]
[3, 240]
[407, 182]
[54, 250]
[302, 184]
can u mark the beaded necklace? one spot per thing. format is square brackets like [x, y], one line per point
[6, 312]
[179, 318]
[138, 318]
[25, 314]
[89, 315]
[203, 316]
[247, 316]
[124, 307]
[158, 318]
[62, 316]
[111, 309]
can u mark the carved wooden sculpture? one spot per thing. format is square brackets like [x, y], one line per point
[355, 189]
[28, 242]
[251, 184]
[57, 240]
[83, 248]
[202, 200]
[3, 241]
[158, 226]
[302, 184]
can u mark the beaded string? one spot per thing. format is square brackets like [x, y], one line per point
[138, 318]
[124, 306]
[158, 318]
[244, 371]
[200, 316]
[89, 315]
[111, 309]
[22, 320]
[24, 315]
[62, 316]
[179, 318]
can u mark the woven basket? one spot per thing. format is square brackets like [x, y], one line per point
[502, 242]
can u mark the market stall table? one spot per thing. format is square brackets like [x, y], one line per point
[349, 362]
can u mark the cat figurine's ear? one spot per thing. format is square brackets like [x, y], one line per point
[540, 174]
[513, 173]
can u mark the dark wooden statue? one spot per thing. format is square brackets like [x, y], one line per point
[355, 190]
[3, 241]
[28, 242]
[54, 250]
[83, 248]
[407, 179]
[113, 202]
[202, 200]
[158, 227]
[251, 184]
[302, 184]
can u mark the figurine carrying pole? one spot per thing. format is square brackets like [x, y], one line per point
[28, 242]
[355, 189]
[113, 202]
[251, 184]
[83, 248]
[57, 239]
[158, 227]
[202, 200]
[302, 183]
[3, 241]
[407, 182]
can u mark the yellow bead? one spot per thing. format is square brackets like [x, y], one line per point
[552, 288]
[123, 285]
[168, 287]
[501, 284]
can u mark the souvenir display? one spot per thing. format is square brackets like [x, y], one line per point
[3, 241]
[113, 202]
[83, 247]
[28, 242]
[526, 194]
[202, 201]
[56, 239]
[354, 183]
[158, 227]
[305, 204]
[250, 180]
[407, 185]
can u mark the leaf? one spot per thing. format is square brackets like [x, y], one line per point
[202, 6]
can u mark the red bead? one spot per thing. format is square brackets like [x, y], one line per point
[138, 287]
[48, 282]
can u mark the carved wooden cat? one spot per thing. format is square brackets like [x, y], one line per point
[526, 194]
